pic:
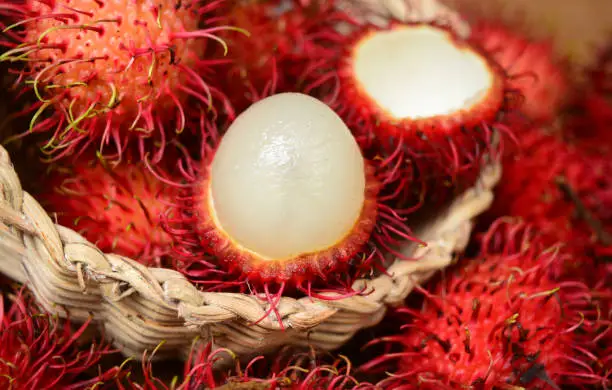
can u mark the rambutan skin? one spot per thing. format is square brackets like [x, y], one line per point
[113, 71]
[288, 368]
[531, 68]
[551, 185]
[502, 319]
[39, 351]
[295, 269]
[117, 208]
[271, 58]
[588, 119]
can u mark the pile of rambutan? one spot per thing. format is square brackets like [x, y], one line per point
[281, 148]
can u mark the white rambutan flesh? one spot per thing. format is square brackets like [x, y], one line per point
[420, 71]
[287, 179]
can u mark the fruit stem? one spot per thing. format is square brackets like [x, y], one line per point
[595, 224]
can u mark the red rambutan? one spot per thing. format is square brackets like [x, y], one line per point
[503, 321]
[39, 351]
[273, 55]
[108, 71]
[118, 209]
[416, 95]
[286, 369]
[564, 192]
[286, 197]
[531, 67]
[589, 121]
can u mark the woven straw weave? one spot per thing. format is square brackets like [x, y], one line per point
[140, 307]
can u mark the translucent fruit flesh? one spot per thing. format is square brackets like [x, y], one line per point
[288, 179]
[414, 72]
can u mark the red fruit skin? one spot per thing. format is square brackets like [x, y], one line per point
[530, 190]
[588, 123]
[531, 68]
[117, 209]
[273, 55]
[39, 351]
[289, 368]
[108, 73]
[502, 320]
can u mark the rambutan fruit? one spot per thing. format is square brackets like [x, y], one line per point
[287, 197]
[118, 209]
[588, 123]
[398, 88]
[107, 72]
[289, 368]
[531, 66]
[273, 55]
[501, 320]
[39, 351]
[563, 191]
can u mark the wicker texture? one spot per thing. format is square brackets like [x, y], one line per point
[140, 307]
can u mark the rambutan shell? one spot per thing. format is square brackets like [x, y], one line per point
[117, 208]
[502, 319]
[531, 67]
[114, 72]
[539, 182]
[40, 351]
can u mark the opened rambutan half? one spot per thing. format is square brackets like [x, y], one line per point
[108, 72]
[413, 93]
[532, 69]
[117, 208]
[39, 351]
[286, 197]
[502, 320]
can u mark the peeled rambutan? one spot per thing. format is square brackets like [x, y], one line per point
[287, 197]
[117, 208]
[416, 95]
[531, 66]
[39, 351]
[109, 72]
[501, 320]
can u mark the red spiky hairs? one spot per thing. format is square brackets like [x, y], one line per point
[105, 73]
[502, 319]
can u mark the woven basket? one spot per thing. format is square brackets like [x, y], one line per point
[141, 307]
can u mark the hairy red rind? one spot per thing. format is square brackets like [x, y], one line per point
[502, 319]
[117, 208]
[531, 67]
[112, 73]
[39, 351]
[539, 182]
[288, 369]
[295, 269]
